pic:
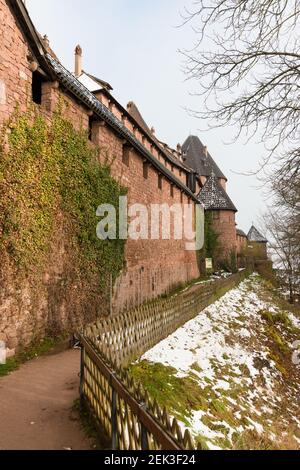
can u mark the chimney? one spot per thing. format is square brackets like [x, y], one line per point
[78, 61]
[46, 42]
[205, 152]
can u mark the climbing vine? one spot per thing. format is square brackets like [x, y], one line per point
[48, 173]
[211, 242]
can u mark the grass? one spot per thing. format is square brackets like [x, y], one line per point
[225, 410]
[33, 351]
[10, 366]
[178, 395]
[99, 441]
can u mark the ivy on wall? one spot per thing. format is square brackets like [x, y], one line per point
[211, 243]
[48, 171]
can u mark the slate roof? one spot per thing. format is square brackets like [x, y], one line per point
[194, 154]
[214, 197]
[241, 233]
[137, 116]
[70, 82]
[255, 236]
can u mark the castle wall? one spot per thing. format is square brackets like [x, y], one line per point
[223, 223]
[152, 267]
[241, 244]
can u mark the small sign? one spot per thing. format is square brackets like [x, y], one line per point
[2, 353]
[209, 264]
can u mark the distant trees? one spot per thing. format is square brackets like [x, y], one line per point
[282, 223]
[246, 62]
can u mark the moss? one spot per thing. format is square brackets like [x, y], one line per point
[278, 363]
[219, 408]
[280, 318]
[280, 343]
[222, 442]
[201, 443]
[196, 367]
[99, 439]
[179, 395]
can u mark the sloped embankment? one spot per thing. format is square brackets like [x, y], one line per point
[228, 375]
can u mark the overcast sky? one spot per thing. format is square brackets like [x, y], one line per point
[134, 45]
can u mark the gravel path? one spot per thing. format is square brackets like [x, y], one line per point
[36, 405]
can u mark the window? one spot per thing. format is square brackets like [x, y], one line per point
[160, 180]
[171, 190]
[181, 197]
[216, 216]
[126, 154]
[91, 121]
[191, 181]
[37, 88]
[145, 170]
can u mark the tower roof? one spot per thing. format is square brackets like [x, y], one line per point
[214, 197]
[255, 236]
[198, 159]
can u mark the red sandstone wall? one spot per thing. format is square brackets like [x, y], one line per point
[224, 224]
[153, 267]
[241, 244]
[15, 76]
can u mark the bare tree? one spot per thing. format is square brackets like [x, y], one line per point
[247, 65]
[283, 233]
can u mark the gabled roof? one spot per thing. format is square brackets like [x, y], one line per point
[214, 197]
[93, 83]
[137, 116]
[241, 233]
[33, 37]
[255, 236]
[70, 82]
[194, 156]
[58, 72]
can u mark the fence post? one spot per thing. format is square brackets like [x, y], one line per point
[81, 387]
[144, 438]
[144, 433]
[110, 295]
[114, 423]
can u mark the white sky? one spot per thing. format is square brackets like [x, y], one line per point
[134, 45]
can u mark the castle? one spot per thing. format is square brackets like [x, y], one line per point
[30, 73]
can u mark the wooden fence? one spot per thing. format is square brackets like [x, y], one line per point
[127, 414]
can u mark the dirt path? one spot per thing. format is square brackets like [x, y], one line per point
[36, 405]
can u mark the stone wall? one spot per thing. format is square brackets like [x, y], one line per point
[30, 309]
[223, 222]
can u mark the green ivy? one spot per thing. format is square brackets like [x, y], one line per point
[49, 172]
[211, 241]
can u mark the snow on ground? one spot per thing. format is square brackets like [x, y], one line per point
[237, 353]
